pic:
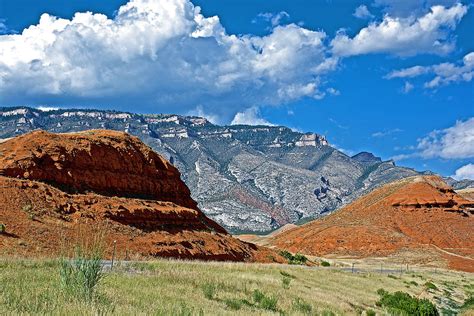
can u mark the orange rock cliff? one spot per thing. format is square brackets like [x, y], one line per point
[52, 184]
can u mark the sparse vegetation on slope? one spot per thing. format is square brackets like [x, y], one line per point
[401, 303]
[468, 305]
[294, 259]
[192, 288]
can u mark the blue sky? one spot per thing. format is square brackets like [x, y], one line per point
[393, 77]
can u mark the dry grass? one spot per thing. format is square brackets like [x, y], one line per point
[170, 287]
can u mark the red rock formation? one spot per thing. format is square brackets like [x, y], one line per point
[106, 162]
[414, 213]
[53, 185]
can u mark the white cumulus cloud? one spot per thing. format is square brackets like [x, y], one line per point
[274, 18]
[159, 54]
[166, 56]
[199, 111]
[250, 116]
[408, 72]
[455, 142]
[450, 143]
[362, 12]
[465, 172]
[404, 36]
[46, 108]
[405, 8]
[444, 73]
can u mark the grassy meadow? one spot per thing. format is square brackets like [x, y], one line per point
[171, 287]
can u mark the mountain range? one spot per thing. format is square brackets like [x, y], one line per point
[246, 178]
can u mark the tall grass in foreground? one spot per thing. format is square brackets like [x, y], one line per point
[176, 287]
[81, 272]
[80, 275]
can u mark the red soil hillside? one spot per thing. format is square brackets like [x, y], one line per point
[105, 162]
[53, 186]
[415, 213]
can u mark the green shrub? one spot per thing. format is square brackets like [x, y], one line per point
[257, 296]
[370, 312]
[209, 291]
[431, 286]
[302, 306]
[80, 272]
[184, 311]
[401, 303]
[286, 274]
[3, 228]
[80, 276]
[265, 302]
[286, 254]
[468, 304]
[286, 282]
[294, 259]
[233, 303]
[325, 264]
[299, 259]
[269, 303]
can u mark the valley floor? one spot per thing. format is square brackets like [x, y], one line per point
[171, 287]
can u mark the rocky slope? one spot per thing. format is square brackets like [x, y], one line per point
[108, 163]
[54, 185]
[416, 213]
[247, 178]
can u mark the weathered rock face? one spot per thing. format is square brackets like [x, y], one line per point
[106, 162]
[40, 217]
[431, 193]
[52, 185]
[247, 178]
[415, 213]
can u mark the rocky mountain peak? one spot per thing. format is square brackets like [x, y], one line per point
[367, 158]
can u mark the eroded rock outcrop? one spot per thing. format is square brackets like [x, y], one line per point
[431, 193]
[419, 214]
[52, 185]
[106, 162]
